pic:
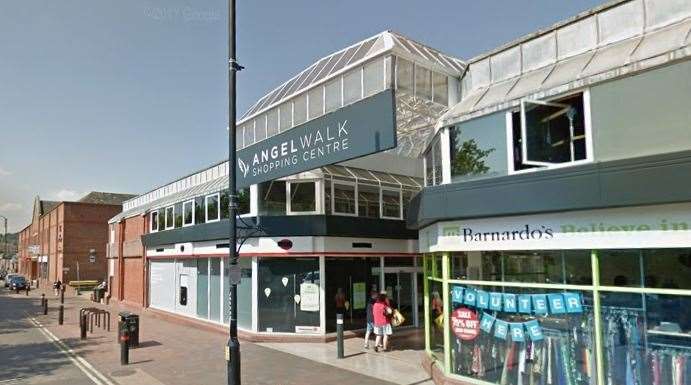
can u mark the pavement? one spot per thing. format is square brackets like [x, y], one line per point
[34, 349]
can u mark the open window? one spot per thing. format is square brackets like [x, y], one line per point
[550, 133]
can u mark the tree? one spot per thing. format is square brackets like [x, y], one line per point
[469, 158]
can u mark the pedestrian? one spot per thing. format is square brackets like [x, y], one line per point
[340, 301]
[56, 287]
[370, 317]
[382, 312]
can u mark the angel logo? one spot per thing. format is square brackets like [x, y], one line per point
[243, 168]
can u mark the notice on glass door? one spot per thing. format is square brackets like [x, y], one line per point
[359, 295]
[309, 297]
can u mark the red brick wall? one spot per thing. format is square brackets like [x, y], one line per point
[132, 274]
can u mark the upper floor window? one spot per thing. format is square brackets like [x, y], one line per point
[170, 217]
[551, 133]
[433, 164]
[154, 223]
[303, 197]
[212, 208]
[343, 198]
[188, 213]
[272, 198]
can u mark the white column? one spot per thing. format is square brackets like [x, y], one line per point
[255, 293]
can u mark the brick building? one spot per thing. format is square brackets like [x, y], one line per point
[61, 235]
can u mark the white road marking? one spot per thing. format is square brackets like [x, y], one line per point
[94, 375]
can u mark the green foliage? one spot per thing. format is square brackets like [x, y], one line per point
[470, 159]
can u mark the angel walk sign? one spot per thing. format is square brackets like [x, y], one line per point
[356, 130]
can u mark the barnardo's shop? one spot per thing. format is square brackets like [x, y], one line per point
[556, 221]
[328, 162]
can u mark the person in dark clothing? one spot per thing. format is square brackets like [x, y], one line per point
[370, 317]
[56, 287]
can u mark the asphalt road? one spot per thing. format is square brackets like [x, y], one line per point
[27, 355]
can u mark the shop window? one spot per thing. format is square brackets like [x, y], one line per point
[404, 76]
[280, 280]
[212, 208]
[520, 347]
[368, 201]
[215, 289]
[272, 198]
[646, 338]
[552, 133]
[272, 123]
[391, 203]
[373, 77]
[178, 215]
[188, 213]
[344, 198]
[170, 217]
[286, 116]
[299, 110]
[435, 320]
[650, 268]
[153, 223]
[332, 96]
[303, 197]
[352, 86]
[440, 87]
[203, 288]
[315, 99]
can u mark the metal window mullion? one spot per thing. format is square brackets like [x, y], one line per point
[599, 344]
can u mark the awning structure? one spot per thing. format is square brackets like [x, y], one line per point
[378, 178]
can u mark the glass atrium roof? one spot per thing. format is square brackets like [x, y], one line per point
[339, 62]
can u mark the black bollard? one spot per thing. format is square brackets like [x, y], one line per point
[339, 335]
[61, 314]
[45, 307]
[82, 327]
[27, 290]
[62, 294]
[43, 299]
[124, 343]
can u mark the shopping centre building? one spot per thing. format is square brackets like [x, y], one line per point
[532, 215]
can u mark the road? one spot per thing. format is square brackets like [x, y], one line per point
[27, 354]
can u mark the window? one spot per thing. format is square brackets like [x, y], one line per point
[162, 219]
[391, 203]
[344, 198]
[440, 84]
[303, 197]
[272, 123]
[170, 217]
[199, 210]
[272, 198]
[249, 133]
[153, 227]
[423, 83]
[286, 116]
[404, 76]
[212, 208]
[550, 133]
[260, 128]
[239, 137]
[433, 164]
[188, 213]
[315, 98]
[368, 201]
[178, 215]
[373, 77]
[352, 86]
[300, 110]
[243, 201]
[333, 95]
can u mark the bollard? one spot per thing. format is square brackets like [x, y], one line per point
[27, 290]
[62, 294]
[45, 307]
[82, 327]
[43, 299]
[339, 334]
[61, 314]
[124, 343]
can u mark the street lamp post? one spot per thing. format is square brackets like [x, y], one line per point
[233, 347]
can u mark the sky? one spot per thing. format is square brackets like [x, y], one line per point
[123, 96]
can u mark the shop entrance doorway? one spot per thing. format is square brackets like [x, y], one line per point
[401, 285]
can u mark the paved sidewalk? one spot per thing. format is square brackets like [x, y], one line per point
[173, 354]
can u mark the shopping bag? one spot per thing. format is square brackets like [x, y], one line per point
[397, 319]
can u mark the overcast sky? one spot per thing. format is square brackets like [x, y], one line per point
[125, 95]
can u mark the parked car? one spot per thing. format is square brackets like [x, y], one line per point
[8, 277]
[18, 282]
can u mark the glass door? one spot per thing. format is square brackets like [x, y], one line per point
[399, 288]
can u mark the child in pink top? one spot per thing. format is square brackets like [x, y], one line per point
[382, 322]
